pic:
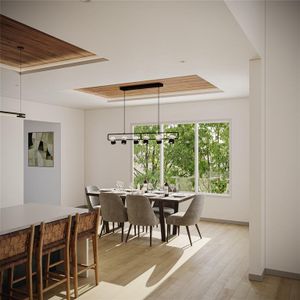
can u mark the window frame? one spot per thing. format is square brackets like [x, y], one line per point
[196, 152]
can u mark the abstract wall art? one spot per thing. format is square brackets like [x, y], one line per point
[41, 149]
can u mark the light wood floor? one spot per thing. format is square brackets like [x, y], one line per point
[216, 267]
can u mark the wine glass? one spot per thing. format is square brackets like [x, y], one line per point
[172, 187]
[120, 185]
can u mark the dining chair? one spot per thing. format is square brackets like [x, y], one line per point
[53, 236]
[16, 248]
[92, 200]
[112, 210]
[85, 226]
[188, 218]
[140, 213]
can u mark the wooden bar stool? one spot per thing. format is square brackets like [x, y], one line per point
[54, 236]
[86, 226]
[15, 249]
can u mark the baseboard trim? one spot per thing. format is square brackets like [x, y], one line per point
[256, 277]
[282, 274]
[225, 221]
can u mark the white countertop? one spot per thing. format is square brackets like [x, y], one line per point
[21, 216]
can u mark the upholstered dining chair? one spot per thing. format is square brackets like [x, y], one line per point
[92, 200]
[112, 210]
[188, 218]
[140, 213]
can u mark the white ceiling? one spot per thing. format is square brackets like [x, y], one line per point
[143, 40]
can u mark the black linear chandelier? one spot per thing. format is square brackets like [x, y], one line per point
[13, 113]
[143, 137]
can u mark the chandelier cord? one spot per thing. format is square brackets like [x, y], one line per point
[20, 78]
[124, 110]
[158, 109]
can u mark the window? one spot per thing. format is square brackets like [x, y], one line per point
[179, 162]
[146, 159]
[179, 159]
[214, 158]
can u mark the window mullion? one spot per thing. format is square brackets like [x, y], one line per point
[196, 157]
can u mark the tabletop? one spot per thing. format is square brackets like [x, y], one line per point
[174, 197]
[21, 216]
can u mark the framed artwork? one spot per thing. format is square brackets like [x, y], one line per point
[41, 149]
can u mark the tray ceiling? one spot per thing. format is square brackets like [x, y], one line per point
[40, 48]
[173, 85]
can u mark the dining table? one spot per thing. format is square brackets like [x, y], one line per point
[159, 197]
[22, 216]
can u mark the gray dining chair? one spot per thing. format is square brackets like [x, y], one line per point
[112, 210]
[140, 213]
[92, 200]
[188, 218]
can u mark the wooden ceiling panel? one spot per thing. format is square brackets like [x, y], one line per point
[171, 86]
[39, 48]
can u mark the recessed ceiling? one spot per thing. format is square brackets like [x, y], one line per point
[173, 85]
[143, 40]
[39, 48]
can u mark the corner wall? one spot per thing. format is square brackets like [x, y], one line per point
[105, 164]
[72, 155]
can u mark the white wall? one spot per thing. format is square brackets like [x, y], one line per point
[106, 163]
[283, 134]
[72, 155]
[280, 207]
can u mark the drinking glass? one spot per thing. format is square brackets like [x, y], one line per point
[172, 187]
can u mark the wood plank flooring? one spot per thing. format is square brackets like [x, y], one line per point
[216, 267]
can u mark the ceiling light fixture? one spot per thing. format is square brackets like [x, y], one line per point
[145, 137]
[13, 113]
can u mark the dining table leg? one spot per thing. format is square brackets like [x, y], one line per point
[162, 220]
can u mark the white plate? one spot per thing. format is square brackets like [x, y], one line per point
[179, 195]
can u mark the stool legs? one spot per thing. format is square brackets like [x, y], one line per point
[96, 258]
[75, 269]
[1, 282]
[67, 271]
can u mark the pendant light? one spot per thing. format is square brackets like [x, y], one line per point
[13, 113]
[144, 137]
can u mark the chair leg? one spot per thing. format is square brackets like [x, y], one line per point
[96, 258]
[188, 232]
[150, 236]
[47, 269]
[168, 232]
[113, 227]
[39, 268]
[128, 233]
[122, 236]
[138, 231]
[75, 269]
[10, 280]
[29, 282]
[198, 231]
[134, 229]
[67, 272]
[146, 229]
[178, 230]
[1, 282]
[102, 228]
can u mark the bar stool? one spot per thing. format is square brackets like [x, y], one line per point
[86, 226]
[53, 236]
[15, 249]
